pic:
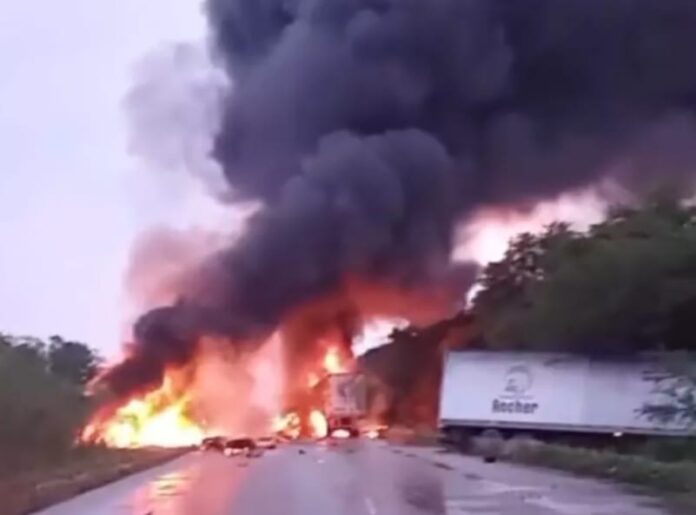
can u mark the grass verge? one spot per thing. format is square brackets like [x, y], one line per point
[674, 482]
[77, 472]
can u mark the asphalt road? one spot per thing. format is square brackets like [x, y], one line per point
[355, 478]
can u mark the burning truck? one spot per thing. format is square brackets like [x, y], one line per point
[337, 410]
[344, 401]
[333, 402]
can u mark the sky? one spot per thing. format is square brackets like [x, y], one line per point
[72, 198]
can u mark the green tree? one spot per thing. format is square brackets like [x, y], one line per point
[42, 400]
[508, 286]
[73, 361]
[41, 413]
[33, 348]
[627, 284]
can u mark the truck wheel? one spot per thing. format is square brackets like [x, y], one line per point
[490, 445]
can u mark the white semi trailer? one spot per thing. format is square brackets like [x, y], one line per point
[526, 392]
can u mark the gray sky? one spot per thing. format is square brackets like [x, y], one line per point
[68, 211]
[72, 199]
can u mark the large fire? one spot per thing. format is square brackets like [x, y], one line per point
[166, 416]
[158, 418]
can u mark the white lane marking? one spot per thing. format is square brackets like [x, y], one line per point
[372, 510]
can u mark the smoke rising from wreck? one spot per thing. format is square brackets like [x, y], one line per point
[369, 128]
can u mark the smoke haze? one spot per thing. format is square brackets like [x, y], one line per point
[368, 129]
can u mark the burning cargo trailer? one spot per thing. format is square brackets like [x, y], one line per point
[344, 399]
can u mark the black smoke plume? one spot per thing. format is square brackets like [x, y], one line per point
[368, 128]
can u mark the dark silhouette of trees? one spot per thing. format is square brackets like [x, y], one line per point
[42, 398]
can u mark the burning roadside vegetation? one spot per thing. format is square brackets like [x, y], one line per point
[369, 132]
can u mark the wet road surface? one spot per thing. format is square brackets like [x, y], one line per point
[353, 478]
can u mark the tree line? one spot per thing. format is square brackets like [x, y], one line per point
[42, 399]
[623, 286]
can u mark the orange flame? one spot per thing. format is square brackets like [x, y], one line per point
[318, 424]
[313, 379]
[289, 425]
[158, 418]
[335, 362]
[332, 361]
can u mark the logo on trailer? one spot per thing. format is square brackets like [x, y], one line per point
[518, 381]
[516, 397]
